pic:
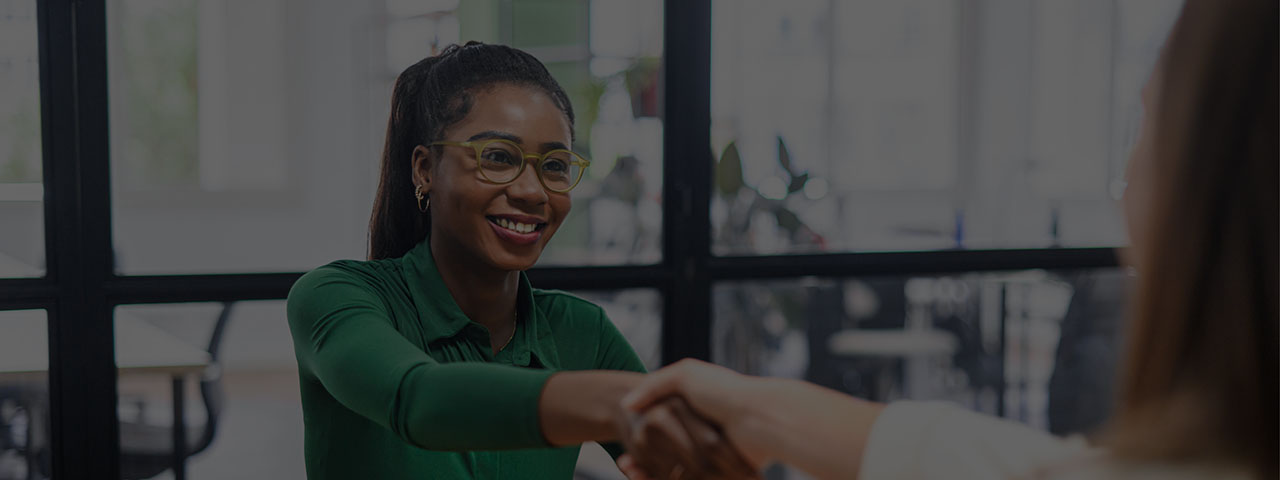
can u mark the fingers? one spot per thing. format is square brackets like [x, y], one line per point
[718, 457]
[662, 447]
[670, 440]
[661, 426]
[686, 406]
[631, 469]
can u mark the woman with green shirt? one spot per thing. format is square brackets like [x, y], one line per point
[436, 358]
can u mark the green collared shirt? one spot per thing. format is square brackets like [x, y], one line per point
[397, 383]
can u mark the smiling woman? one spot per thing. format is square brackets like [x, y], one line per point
[486, 203]
[436, 358]
[522, 211]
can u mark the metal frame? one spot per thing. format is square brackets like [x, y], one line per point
[82, 376]
[81, 290]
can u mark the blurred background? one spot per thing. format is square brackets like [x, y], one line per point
[245, 138]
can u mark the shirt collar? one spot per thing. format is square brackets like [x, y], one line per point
[441, 318]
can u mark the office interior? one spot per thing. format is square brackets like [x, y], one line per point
[897, 199]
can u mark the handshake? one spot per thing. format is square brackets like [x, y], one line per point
[695, 420]
[691, 420]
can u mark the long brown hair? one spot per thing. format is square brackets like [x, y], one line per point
[429, 97]
[1200, 378]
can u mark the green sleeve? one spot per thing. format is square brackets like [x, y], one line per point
[343, 337]
[615, 353]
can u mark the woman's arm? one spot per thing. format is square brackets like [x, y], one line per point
[343, 338]
[834, 436]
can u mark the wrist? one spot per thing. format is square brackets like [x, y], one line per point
[751, 427]
[606, 411]
[745, 399]
[577, 407]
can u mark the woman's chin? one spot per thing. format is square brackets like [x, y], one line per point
[512, 263]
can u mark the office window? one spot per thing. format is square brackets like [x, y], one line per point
[938, 337]
[240, 140]
[24, 395]
[247, 137]
[1048, 340]
[21, 191]
[257, 417]
[923, 125]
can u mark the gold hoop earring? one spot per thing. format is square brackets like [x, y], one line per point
[417, 192]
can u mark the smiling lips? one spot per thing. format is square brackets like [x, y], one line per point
[517, 229]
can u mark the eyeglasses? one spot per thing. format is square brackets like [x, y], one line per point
[502, 161]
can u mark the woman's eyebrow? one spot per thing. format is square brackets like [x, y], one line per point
[549, 146]
[491, 134]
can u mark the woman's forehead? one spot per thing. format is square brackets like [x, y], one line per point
[524, 112]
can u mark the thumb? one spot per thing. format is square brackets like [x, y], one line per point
[655, 386]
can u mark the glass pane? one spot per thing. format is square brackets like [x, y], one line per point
[890, 125]
[938, 337]
[21, 188]
[235, 147]
[24, 395]
[255, 424]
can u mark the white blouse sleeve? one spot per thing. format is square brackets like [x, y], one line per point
[928, 440]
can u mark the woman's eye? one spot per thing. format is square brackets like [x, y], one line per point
[499, 156]
[557, 166]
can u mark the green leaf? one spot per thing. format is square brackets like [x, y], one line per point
[797, 183]
[788, 220]
[784, 157]
[729, 171]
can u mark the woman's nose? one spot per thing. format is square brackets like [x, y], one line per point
[526, 188]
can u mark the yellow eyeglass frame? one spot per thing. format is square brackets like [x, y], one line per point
[479, 146]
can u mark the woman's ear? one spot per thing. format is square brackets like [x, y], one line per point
[422, 163]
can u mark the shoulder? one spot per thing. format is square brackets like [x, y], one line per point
[344, 279]
[566, 312]
[561, 307]
[584, 336]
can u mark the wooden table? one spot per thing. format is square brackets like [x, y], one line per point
[141, 348]
[915, 348]
[893, 343]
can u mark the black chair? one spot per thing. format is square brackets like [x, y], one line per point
[24, 452]
[147, 450]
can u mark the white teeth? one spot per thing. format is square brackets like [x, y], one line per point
[515, 226]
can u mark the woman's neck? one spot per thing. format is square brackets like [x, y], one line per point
[486, 296]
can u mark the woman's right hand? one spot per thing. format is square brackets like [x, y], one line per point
[671, 441]
[720, 395]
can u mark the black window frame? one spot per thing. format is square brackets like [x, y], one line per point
[81, 289]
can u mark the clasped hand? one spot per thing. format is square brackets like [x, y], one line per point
[686, 422]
